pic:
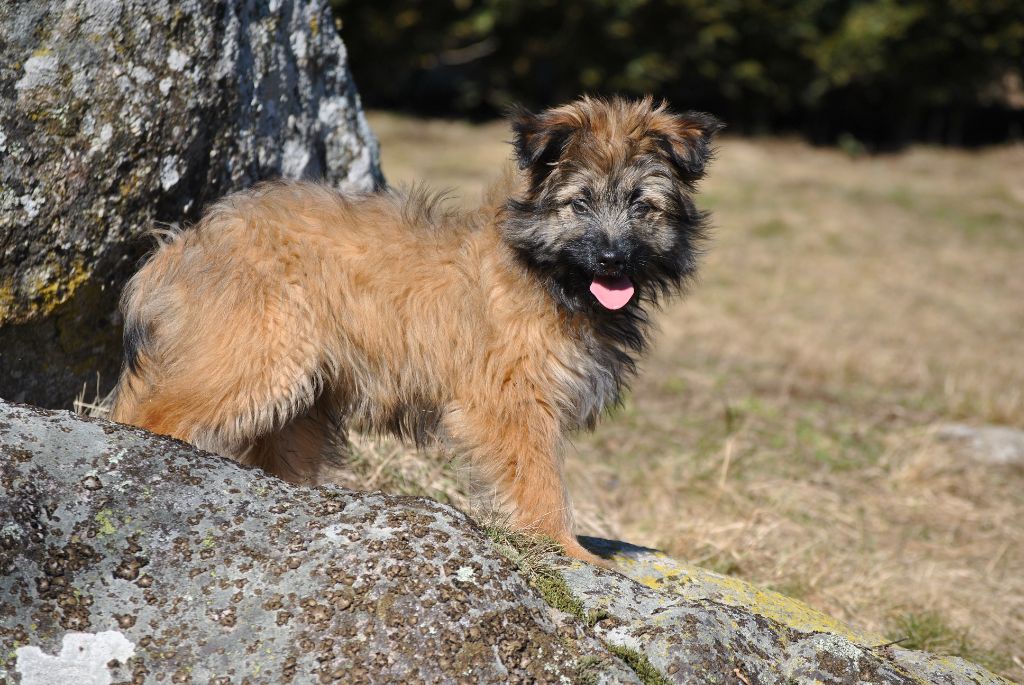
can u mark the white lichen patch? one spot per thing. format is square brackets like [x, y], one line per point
[100, 17]
[82, 660]
[176, 59]
[30, 205]
[102, 138]
[169, 174]
[837, 645]
[141, 74]
[332, 110]
[295, 159]
[83, 84]
[40, 72]
[298, 43]
[135, 125]
[359, 176]
[10, 530]
[465, 574]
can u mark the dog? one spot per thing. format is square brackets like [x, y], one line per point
[292, 311]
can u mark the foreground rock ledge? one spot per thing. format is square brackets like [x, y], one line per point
[129, 557]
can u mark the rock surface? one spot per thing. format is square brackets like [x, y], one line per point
[994, 445]
[696, 626]
[126, 556]
[219, 573]
[116, 114]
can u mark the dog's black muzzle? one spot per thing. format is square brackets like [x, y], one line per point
[609, 258]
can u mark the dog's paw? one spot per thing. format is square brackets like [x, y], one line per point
[575, 550]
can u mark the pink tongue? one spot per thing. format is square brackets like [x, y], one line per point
[613, 293]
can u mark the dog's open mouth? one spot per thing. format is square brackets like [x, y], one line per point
[612, 293]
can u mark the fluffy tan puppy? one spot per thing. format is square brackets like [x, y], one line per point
[291, 310]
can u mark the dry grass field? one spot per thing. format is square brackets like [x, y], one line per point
[783, 429]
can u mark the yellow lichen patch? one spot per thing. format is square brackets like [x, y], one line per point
[59, 288]
[43, 294]
[105, 522]
[660, 572]
[6, 301]
[968, 671]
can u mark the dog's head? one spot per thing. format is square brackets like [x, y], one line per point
[606, 212]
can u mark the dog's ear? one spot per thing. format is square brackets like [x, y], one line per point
[685, 139]
[539, 140]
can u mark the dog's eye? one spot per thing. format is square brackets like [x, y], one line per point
[579, 205]
[641, 208]
[638, 206]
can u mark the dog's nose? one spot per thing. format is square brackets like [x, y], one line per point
[611, 259]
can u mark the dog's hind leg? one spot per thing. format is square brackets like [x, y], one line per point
[298, 451]
[274, 424]
[263, 415]
[236, 368]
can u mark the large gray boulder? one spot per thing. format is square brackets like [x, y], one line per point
[170, 564]
[990, 445]
[116, 115]
[126, 556]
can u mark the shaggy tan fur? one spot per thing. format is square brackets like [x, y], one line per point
[292, 311]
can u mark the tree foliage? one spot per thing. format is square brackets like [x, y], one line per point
[882, 70]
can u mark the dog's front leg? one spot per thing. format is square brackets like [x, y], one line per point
[513, 439]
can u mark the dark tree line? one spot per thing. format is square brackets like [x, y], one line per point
[881, 71]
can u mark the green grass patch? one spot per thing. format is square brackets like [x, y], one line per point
[588, 669]
[640, 664]
[773, 228]
[674, 386]
[556, 592]
[839, 448]
[532, 555]
[928, 631]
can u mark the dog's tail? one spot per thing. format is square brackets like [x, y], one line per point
[121, 403]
